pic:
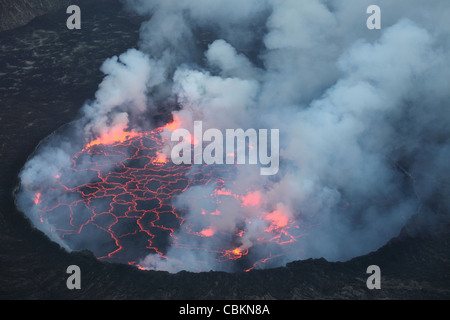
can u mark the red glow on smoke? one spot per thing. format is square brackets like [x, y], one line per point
[224, 192]
[252, 199]
[215, 213]
[113, 136]
[207, 232]
[172, 126]
[278, 219]
[129, 205]
[160, 159]
[37, 198]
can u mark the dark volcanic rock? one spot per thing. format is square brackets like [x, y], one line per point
[16, 13]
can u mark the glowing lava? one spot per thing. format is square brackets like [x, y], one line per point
[126, 207]
[278, 219]
[173, 125]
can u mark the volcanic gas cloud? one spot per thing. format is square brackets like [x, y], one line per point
[364, 136]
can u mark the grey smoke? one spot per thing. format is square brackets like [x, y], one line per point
[360, 112]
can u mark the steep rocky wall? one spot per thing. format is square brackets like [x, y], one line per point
[16, 13]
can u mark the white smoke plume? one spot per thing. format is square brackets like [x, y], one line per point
[359, 111]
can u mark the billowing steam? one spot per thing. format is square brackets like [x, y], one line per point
[363, 118]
